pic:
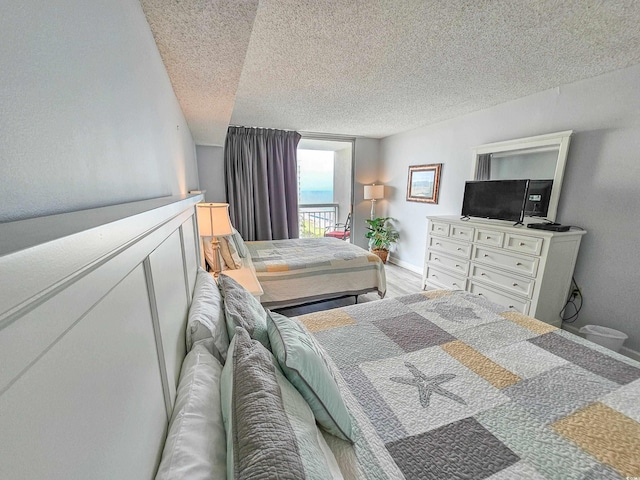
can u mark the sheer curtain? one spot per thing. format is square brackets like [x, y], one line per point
[483, 167]
[262, 182]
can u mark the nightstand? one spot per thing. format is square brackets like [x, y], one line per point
[247, 278]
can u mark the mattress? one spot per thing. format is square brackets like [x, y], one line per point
[446, 385]
[297, 271]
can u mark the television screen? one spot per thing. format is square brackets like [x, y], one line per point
[538, 198]
[499, 199]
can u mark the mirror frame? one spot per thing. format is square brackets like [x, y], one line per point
[550, 141]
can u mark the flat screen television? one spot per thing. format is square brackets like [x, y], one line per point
[497, 199]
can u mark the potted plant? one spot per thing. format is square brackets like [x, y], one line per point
[381, 236]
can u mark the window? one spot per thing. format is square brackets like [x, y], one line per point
[315, 176]
[324, 184]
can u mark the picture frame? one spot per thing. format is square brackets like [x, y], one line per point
[423, 183]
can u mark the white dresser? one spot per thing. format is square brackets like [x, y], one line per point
[518, 267]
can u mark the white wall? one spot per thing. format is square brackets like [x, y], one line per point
[601, 190]
[88, 115]
[367, 157]
[211, 173]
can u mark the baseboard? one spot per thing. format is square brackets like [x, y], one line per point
[405, 265]
[627, 352]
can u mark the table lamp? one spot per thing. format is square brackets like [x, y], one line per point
[373, 192]
[213, 221]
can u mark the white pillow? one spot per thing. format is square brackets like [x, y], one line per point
[196, 443]
[206, 314]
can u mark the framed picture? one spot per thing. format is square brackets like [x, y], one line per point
[423, 183]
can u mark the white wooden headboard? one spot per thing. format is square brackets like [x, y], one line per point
[93, 306]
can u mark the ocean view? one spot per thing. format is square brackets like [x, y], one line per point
[316, 196]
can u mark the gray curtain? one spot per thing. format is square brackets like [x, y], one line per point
[483, 167]
[261, 177]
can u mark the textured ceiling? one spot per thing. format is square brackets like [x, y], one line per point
[375, 68]
[203, 44]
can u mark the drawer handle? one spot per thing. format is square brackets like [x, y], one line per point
[481, 295]
[485, 255]
[518, 264]
[488, 237]
[483, 274]
[434, 276]
[457, 266]
[437, 243]
[436, 259]
[511, 306]
[455, 284]
[515, 284]
[458, 249]
[522, 244]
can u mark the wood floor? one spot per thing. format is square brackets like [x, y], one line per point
[400, 281]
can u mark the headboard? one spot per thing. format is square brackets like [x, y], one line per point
[93, 306]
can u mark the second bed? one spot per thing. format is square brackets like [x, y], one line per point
[303, 270]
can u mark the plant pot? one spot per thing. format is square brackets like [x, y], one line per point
[383, 254]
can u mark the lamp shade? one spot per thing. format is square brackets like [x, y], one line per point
[213, 219]
[373, 192]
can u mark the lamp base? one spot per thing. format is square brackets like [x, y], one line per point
[373, 208]
[215, 245]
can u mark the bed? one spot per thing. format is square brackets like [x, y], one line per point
[108, 325]
[298, 271]
[452, 386]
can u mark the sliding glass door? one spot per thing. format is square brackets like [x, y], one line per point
[325, 173]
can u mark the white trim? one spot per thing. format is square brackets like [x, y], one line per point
[627, 352]
[405, 265]
[155, 320]
[79, 321]
[524, 143]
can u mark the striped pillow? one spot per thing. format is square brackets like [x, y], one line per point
[271, 431]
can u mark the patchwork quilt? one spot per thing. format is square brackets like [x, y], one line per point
[446, 385]
[303, 270]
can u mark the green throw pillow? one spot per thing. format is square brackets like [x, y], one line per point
[303, 365]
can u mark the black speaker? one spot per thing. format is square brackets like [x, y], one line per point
[538, 196]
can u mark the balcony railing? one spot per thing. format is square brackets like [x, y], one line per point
[315, 218]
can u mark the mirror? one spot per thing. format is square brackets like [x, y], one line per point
[541, 159]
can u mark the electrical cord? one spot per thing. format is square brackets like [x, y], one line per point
[576, 294]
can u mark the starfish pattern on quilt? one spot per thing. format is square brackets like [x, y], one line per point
[428, 385]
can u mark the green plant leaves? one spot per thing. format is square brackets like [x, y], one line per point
[381, 233]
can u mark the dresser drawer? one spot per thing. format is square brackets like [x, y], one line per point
[450, 246]
[523, 244]
[461, 232]
[444, 279]
[501, 298]
[518, 285]
[510, 261]
[439, 228]
[489, 237]
[444, 261]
